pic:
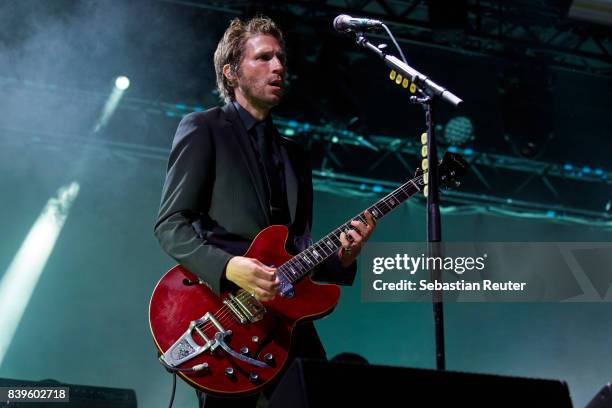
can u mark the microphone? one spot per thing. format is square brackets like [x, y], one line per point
[344, 23]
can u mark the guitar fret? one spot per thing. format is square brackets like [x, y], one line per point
[293, 272]
[283, 271]
[314, 255]
[324, 246]
[375, 212]
[320, 248]
[305, 256]
[299, 263]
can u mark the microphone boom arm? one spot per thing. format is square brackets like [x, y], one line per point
[422, 81]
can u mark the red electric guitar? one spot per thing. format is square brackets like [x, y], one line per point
[232, 344]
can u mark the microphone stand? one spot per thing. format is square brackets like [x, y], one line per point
[427, 92]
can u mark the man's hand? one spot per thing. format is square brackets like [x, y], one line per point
[351, 244]
[253, 276]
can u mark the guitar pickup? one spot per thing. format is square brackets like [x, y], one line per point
[244, 307]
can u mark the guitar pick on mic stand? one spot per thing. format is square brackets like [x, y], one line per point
[427, 92]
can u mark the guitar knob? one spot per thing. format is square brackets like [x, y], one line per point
[457, 183]
[268, 357]
[244, 350]
[254, 377]
[255, 339]
[229, 371]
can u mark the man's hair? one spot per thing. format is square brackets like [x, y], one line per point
[230, 49]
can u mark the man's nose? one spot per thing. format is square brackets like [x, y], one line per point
[278, 67]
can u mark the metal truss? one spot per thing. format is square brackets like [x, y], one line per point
[348, 163]
[534, 32]
[498, 183]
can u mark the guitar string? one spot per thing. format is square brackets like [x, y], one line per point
[223, 314]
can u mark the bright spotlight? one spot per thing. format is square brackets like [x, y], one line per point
[20, 279]
[122, 83]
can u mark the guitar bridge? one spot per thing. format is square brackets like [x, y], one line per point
[186, 348]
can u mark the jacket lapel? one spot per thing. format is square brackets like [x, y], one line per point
[248, 155]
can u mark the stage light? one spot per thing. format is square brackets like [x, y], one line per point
[122, 83]
[458, 130]
[20, 279]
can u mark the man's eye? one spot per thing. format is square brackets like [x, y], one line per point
[265, 57]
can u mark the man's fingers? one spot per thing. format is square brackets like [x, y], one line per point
[262, 295]
[264, 266]
[370, 219]
[267, 285]
[363, 228]
[344, 241]
[355, 236]
[266, 273]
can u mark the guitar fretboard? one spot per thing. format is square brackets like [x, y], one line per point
[304, 262]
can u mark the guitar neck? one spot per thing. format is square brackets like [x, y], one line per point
[304, 262]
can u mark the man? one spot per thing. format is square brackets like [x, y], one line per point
[230, 175]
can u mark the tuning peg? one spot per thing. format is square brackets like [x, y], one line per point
[424, 138]
[457, 183]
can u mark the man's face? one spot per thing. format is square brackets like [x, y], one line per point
[261, 72]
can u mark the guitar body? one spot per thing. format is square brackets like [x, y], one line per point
[177, 301]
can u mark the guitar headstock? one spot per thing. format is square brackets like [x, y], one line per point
[450, 168]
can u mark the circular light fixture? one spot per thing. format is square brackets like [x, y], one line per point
[122, 83]
[458, 130]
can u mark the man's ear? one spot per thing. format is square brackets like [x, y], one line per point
[228, 72]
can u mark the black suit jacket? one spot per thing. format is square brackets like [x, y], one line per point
[215, 199]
